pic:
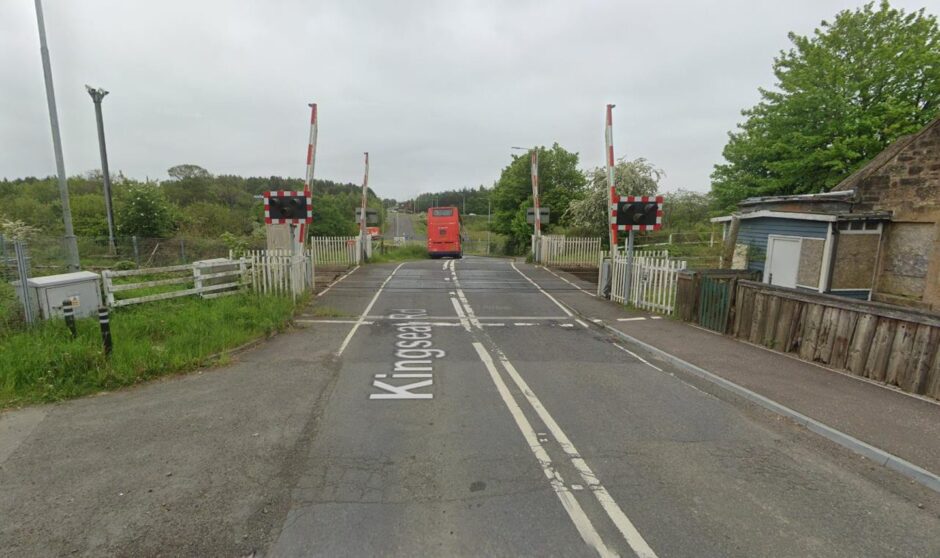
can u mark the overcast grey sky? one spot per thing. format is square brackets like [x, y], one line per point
[437, 92]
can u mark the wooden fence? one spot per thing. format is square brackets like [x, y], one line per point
[888, 344]
[562, 251]
[335, 250]
[652, 284]
[191, 278]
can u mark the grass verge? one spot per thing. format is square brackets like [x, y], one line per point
[400, 253]
[150, 340]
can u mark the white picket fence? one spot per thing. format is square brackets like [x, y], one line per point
[338, 250]
[653, 282]
[279, 272]
[563, 251]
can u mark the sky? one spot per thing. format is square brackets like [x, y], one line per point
[436, 92]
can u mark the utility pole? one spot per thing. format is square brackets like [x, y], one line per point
[489, 223]
[71, 244]
[97, 95]
[362, 213]
[537, 233]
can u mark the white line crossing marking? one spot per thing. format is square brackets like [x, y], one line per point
[656, 317]
[566, 325]
[330, 286]
[568, 501]
[630, 319]
[460, 314]
[492, 324]
[582, 322]
[365, 312]
[523, 323]
[444, 266]
[569, 282]
[638, 357]
[541, 290]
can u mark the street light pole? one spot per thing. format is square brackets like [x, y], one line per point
[71, 244]
[97, 95]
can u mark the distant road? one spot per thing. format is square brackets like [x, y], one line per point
[403, 224]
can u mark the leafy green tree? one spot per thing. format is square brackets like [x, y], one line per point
[842, 95]
[685, 210]
[144, 211]
[332, 217]
[88, 215]
[588, 215]
[560, 182]
[182, 172]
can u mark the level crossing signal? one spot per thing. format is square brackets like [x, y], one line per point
[639, 213]
[287, 208]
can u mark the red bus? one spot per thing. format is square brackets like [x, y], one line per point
[444, 232]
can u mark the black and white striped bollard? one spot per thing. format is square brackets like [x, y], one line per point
[105, 322]
[69, 314]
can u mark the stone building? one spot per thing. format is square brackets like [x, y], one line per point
[904, 180]
[875, 236]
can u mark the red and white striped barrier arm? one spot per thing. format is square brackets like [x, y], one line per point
[609, 152]
[311, 160]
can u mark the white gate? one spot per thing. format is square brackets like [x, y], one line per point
[652, 282]
[562, 251]
[279, 272]
[336, 250]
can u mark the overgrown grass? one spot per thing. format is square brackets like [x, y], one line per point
[11, 313]
[45, 364]
[400, 253]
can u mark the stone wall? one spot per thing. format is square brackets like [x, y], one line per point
[908, 185]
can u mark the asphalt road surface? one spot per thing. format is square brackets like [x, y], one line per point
[442, 408]
[475, 415]
[403, 224]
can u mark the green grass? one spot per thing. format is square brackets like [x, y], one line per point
[45, 364]
[10, 309]
[400, 253]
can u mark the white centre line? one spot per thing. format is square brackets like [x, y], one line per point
[568, 501]
[362, 317]
[629, 532]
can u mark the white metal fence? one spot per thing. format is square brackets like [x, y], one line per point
[338, 250]
[563, 251]
[652, 282]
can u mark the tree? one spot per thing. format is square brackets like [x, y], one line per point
[842, 95]
[144, 211]
[687, 210]
[182, 172]
[560, 182]
[588, 215]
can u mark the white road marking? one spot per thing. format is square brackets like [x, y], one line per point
[630, 319]
[566, 325]
[541, 290]
[306, 321]
[620, 519]
[568, 501]
[569, 282]
[444, 266]
[447, 278]
[492, 324]
[638, 357]
[523, 323]
[629, 532]
[582, 322]
[656, 317]
[365, 312]
[330, 286]
[460, 314]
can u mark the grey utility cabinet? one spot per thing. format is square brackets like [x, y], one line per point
[83, 288]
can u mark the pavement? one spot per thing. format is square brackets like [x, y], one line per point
[446, 408]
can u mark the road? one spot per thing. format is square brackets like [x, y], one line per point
[444, 408]
[404, 224]
[475, 415]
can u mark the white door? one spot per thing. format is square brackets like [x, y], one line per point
[783, 260]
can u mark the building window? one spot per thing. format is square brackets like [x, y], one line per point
[859, 227]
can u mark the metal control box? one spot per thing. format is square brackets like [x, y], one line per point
[82, 288]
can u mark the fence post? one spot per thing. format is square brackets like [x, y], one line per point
[197, 279]
[182, 251]
[136, 251]
[69, 314]
[22, 271]
[105, 322]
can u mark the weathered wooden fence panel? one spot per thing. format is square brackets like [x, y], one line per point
[207, 285]
[888, 344]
